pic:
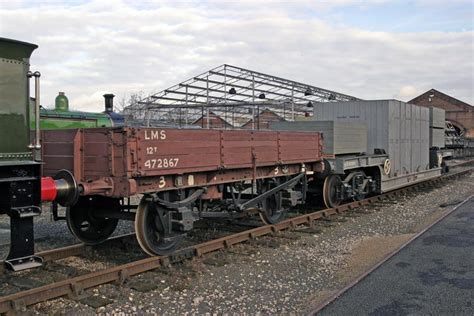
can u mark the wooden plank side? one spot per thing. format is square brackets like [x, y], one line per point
[96, 153]
[299, 147]
[236, 149]
[131, 152]
[55, 163]
[58, 151]
[119, 154]
[265, 147]
[64, 149]
[167, 151]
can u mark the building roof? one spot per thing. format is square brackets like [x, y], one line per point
[264, 115]
[213, 115]
[458, 103]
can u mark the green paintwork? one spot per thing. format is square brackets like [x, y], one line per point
[16, 50]
[61, 102]
[14, 103]
[16, 118]
[52, 119]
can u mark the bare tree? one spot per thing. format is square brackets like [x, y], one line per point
[129, 99]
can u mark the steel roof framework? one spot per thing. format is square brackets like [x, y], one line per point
[235, 94]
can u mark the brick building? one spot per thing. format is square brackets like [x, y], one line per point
[215, 121]
[458, 112]
[262, 120]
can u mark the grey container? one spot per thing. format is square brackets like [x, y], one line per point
[437, 117]
[437, 137]
[401, 129]
[339, 137]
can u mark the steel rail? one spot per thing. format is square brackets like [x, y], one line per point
[76, 286]
[387, 257]
[67, 251]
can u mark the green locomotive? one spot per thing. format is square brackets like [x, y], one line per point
[61, 117]
[21, 185]
[20, 170]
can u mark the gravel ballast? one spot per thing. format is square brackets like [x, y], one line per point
[289, 273]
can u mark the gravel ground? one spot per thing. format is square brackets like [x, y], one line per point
[431, 276]
[47, 232]
[286, 274]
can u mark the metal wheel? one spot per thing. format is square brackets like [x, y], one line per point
[445, 167]
[330, 191]
[360, 196]
[272, 210]
[152, 228]
[85, 226]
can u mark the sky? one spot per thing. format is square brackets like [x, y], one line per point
[372, 49]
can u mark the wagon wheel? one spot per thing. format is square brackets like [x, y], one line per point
[85, 226]
[330, 191]
[153, 228]
[360, 196]
[272, 210]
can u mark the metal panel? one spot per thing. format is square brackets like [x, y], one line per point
[340, 164]
[425, 137]
[393, 183]
[403, 166]
[339, 138]
[437, 137]
[437, 117]
[400, 129]
[415, 128]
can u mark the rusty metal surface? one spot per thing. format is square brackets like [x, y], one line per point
[125, 161]
[120, 273]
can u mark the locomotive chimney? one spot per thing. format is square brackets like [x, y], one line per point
[109, 102]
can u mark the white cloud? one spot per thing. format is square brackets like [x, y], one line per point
[122, 47]
[408, 93]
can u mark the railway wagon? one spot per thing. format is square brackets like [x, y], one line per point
[395, 149]
[398, 129]
[184, 175]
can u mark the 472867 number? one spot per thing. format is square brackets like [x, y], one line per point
[161, 163]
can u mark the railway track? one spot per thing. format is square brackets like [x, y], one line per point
[68, 251]
[75, 287]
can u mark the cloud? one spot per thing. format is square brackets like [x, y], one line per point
[94, 47]
[407, 92]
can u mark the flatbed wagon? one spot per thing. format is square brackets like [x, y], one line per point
[184, 175]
